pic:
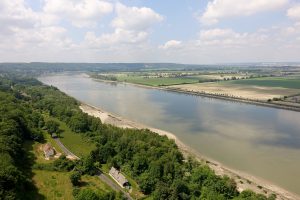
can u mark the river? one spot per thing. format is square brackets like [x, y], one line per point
[261, 141]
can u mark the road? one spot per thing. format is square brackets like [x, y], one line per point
[112, 184]
[103, 177]
[66, 151]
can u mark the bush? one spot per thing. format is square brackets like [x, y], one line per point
[63, 164]
[75, 178]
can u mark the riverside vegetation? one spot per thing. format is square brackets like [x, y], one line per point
[154, 162]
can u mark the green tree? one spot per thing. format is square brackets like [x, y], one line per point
[75, 178]
[52, 126]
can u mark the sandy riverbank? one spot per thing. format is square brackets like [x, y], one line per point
[243, 180]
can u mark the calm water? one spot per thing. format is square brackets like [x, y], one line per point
[261, 141]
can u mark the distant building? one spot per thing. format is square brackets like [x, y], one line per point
[118, 177]
[48, 151]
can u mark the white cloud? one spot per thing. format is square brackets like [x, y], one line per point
[218, 9]
[25, 30]
[85, 13]
[133, 18]
[171, 44]
[230, 38]
[294, 12]
[131, 26]
[13, 13]
[118, 37]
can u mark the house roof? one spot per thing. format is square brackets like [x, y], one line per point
[48, 150]
[118, 176]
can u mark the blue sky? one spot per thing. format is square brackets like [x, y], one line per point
[186, 31]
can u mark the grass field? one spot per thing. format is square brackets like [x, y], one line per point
[94, 183]
[53, 185]
[292, 83]
[73, 141]
[57, 185]
[157, 81]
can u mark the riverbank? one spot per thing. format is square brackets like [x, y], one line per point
[277, 104]
[243, 180]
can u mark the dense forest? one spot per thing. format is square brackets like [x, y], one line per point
[18, 122]
[153, 161]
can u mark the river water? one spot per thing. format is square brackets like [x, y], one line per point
[261, 141]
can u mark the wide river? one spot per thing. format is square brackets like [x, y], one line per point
[261, 141]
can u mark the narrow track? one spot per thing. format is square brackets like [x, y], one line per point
[103, 177]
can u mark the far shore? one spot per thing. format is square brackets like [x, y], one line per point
[210, 95]
[244, 181]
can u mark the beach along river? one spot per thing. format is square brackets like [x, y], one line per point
[261, 141]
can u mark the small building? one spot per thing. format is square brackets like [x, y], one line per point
[48, 151]
[119, 178]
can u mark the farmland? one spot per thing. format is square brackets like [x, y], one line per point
[229, 89]
[158, 78]
[290, 83]
[263, 84]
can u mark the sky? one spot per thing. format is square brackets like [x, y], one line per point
[181, 31]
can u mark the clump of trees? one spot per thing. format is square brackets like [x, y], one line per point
[52, 127]
[75, 178]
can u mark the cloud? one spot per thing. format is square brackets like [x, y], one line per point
[14, 14]
[23, 29]
[118, 37]
[218, 9]
[85, 13]
[294, 12]
[133, 18]
[131, 26]
[171, 44]
[229, 38]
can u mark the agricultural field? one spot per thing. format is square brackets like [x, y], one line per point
[245, 91]
[168, 78]
[159, 81]
[284, 82]
[219, 76]
[261, 85]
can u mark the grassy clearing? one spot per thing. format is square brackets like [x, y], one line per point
[34, 150]
[94, 183]
[57, 185]
[73, 141]
[291, 83]
[53, 185]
